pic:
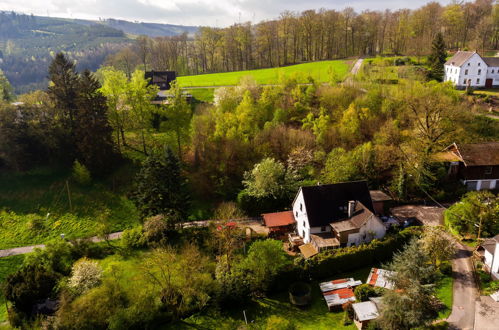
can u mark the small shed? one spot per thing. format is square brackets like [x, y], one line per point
[380, 278]
[279, 223]
[338, 292]
[379, 199]
[366, 311]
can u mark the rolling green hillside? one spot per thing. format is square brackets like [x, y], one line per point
[28, 44]
[320, 71]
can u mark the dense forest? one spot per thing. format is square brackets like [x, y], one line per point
[315, 35]
[28, 43]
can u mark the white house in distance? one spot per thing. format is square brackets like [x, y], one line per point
[335, 215]
[470, 69]
[489, 251]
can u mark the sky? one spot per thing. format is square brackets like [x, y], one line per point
[218, 13]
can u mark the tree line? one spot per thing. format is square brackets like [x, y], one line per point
[315, 35]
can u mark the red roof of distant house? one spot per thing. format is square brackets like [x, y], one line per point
[278, 219]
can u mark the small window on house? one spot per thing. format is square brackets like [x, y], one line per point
[479, 71]
[492, 71]
[464, 82]
[478, 80]
[323, 228]
[468, 64]
[466, 72]
[488, 170]
[301, 207]
[478, 63]
[296, 213]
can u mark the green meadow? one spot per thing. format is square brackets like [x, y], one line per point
[322, 71]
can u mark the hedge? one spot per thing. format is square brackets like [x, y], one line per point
[342, 260]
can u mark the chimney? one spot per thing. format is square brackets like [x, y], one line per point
[351, 208]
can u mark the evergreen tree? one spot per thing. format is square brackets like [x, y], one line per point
[6, 93]
[93, 133]
[160, 188]
[63, 91]
[437, 58]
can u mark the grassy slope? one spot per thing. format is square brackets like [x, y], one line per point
[8, 265]
[445, 294]
[28, 198]
[320, 71]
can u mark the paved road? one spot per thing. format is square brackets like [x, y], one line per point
[465, 290]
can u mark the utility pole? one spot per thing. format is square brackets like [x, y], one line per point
[69, 197]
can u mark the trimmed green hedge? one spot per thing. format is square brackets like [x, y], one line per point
[342, 260]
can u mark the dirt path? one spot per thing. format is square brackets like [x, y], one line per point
[31, 248]
[356, 66]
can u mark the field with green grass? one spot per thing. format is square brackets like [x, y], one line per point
[444, 293]
[322, 71]
[36, 207]
[315, 316]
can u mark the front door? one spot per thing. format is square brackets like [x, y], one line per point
[488, 83]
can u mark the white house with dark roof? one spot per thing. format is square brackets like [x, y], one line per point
[489, 251]
[335, 215]
[470, 69]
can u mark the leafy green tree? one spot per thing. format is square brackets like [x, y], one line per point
[81, 174]
[437, 245]
[264, 261]
[267, 179]
[178, 116]
[93, 133]
[57, 257]
[29, 285]
[114, 88]
[356, 164]
[437, 57]
[6, 93]
[160, 188]
[477, 210]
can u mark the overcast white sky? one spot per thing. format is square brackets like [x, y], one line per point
[191, 12]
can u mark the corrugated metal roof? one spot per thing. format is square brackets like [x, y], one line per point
[380, 278]
[366, 311]
[338, 292]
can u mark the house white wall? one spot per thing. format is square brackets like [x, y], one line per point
[493, 73]
[372, 229]
[300, 213]
[474, 69]
[492, 261]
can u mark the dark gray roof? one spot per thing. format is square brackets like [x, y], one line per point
[490, 244]
[161, 77]
[359, 217]
[477, 154]
[323, 202]
[491, 61]
[459, 58]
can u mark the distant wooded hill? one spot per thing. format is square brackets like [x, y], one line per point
[28, 43]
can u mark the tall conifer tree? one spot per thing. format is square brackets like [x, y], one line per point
[437, 58]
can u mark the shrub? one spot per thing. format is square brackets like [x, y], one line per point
[85, 275]
[133, 238]
[81, 174]
[275, 322]
[364, 291]
[155, 229]
[346, 259]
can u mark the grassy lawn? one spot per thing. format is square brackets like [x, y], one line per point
[320, 71]
[202, 94]
[444, 293]
[34, 208]
[315, 316]
[8, 266]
